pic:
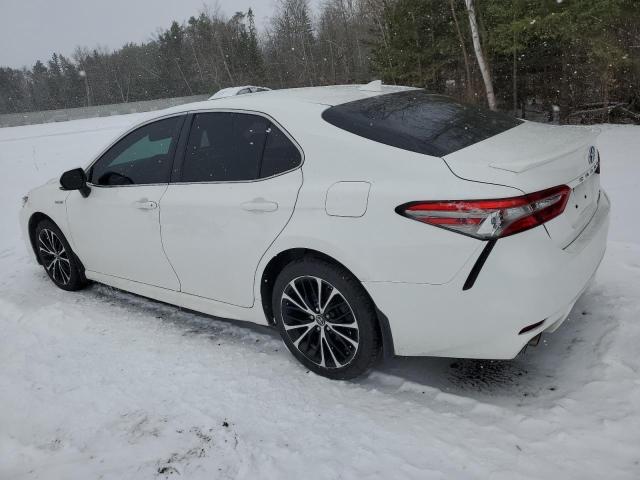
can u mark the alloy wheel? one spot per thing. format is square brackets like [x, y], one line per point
[55, 257]
[319, 322]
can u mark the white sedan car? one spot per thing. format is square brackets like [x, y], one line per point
[359, 223]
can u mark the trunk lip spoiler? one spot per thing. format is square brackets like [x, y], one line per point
[526, 166]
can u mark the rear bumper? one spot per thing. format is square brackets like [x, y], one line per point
[526, 279]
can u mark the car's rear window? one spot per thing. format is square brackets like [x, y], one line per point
[419, 121]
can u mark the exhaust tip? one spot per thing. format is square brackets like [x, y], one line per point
[535, 341]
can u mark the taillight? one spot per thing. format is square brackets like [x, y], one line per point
[490, 219]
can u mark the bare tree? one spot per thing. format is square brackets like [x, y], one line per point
[482, 62]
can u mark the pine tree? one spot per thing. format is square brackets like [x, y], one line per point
[254, 55]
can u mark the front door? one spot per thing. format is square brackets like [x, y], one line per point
[237, 189]
[116, 229]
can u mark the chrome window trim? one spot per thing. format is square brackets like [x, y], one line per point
[224, 182]
[93, 185]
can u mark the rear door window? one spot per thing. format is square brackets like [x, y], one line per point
[420, 122]
[280, 154]
[226, 146]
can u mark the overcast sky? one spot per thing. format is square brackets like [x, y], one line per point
[34, 29]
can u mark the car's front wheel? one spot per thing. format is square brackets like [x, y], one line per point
[326, 318]
[57, 258]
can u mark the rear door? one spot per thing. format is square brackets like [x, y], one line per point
[234, 193]
[116, 229]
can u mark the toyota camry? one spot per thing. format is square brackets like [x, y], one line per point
[360, 221]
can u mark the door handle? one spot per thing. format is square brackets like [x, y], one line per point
[260, 205]
[145, 204]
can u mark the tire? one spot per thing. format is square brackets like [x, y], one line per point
[58, 260]
[338, 339]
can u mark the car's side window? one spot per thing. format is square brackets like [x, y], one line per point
[143, 157]
[209, 148]
[279, 155]
[249, 134]
[225, 146]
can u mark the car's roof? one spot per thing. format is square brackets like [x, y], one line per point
[290, 97]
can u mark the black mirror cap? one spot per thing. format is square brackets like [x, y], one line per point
[75, 179]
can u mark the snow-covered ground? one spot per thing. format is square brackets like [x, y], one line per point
[104, 384]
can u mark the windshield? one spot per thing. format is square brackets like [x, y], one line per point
[419, 121]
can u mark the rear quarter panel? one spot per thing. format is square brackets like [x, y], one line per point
[380, 245]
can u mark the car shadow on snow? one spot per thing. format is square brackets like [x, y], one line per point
[188, 322]
[540, 370]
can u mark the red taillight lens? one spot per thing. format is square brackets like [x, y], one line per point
[488, 219]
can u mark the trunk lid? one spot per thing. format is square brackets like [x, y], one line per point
[533, 157]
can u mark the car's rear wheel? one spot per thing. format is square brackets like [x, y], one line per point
[57, 258]
[326, 318]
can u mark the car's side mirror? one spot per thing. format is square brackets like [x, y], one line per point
[75, 179]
